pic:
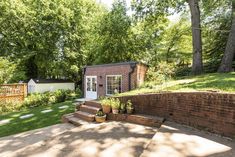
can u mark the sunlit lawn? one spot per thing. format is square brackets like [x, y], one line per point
[215, 82]
[38, 120]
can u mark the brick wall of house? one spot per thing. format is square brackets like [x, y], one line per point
[102, 71]
[141, 74]
[214, 112]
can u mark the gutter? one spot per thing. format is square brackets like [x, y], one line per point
[132, 65]
[83, 75]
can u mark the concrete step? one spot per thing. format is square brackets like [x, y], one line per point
[93, 104]
[77, 121]
[85, 116]
[89, 109]
[70, 118]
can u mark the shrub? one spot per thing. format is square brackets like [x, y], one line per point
[161, 72]
[37, 99]
[78, 92]
[9, 107]
[183, 71]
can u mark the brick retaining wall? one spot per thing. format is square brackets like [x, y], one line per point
[214, 112]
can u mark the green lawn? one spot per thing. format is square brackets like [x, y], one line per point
[38, 120]
[207, 82]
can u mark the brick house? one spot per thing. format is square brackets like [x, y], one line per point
[108, 79]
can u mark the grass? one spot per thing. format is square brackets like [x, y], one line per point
[215, 82]
[39, 120]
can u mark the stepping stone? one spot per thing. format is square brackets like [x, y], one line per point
[26, 116]
[5, 121]
[46, 111]
[62, 107]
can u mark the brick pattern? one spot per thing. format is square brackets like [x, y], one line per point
[214, 112]
[146, 120]
[123, 70]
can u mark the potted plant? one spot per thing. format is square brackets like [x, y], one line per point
[100, 117]
[129, 107]
[122, 108]
[106, 105]
[115, 105]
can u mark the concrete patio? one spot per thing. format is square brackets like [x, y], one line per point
[116, 139]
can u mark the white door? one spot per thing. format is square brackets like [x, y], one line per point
[91, 87]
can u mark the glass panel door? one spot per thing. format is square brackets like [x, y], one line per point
[91, 87]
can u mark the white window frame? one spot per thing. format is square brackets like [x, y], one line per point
[107, 83]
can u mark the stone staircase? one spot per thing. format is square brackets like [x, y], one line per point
[86, 113]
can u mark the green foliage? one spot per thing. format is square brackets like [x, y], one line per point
[115, 103]
[105, 101]
[40, 99]
[50, 37]
[122, 107]
[162, 72]
[215, 82]
[129, 105]
[7, 69]
[37, 99]
[9, 107]
[56, 38]
[100, 113]
[114, 39]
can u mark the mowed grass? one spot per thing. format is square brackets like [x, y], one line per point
[38, 120]
[214, 82]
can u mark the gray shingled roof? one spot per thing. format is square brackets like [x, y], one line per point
[51, 81]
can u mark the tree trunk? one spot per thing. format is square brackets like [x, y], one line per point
[227, 60]
[197, 66]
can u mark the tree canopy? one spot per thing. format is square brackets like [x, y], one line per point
[57, 38]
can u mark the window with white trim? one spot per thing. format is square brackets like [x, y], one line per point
[113, 84]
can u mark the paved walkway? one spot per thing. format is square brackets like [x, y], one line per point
[10, 145]
[174, 140]
[116, 139]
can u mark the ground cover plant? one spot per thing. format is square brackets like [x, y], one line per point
[214, 82]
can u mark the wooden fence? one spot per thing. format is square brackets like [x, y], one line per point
[13, 92]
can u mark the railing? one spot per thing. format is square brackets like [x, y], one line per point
[13, 92]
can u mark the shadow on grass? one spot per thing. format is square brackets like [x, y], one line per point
[38, 120]
[225, 82]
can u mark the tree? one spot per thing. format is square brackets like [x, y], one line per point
[216, 24]
[227, 60]
[114, 36]
[51, 38]
[145, 9]
[6, 70]
[197, 66]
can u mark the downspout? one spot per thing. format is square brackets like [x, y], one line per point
[83, 82]
[133, 65]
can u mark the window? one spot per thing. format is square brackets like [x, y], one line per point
[93, 84]
[113, 84]
[88, 84]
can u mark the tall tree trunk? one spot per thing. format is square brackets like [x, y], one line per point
[227, 60]
[197, 67]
